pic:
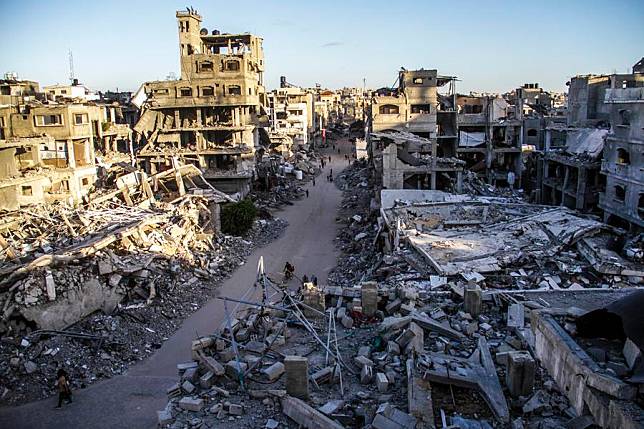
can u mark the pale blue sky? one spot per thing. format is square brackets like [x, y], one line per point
[491, 45]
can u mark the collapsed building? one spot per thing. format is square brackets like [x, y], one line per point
[406, 162]
[211, 117]
[578, 158]
[416, 107]
[623, 198]
[48, 149]
[490, 138]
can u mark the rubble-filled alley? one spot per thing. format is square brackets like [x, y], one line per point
[236, 245]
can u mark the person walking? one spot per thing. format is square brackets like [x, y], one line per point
[307, 193]
[64, 390]
[314, 181]
[329, 158]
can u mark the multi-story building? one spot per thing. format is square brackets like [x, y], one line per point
[623, 162]
[48, 149]
[572, 154]
[211, 116]
[416, 106]
[490, 138]
[291, 113]
[74, 91]
[354, 103]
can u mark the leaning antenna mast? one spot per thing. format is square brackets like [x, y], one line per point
[71, 67]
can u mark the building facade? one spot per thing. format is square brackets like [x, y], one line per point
[211, 116]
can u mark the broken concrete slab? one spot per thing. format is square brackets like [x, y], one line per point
[477, 371]
[305, 415]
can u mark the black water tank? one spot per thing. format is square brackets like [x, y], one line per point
[216, 32]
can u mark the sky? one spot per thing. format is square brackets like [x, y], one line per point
[490, 45]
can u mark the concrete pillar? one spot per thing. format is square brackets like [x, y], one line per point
[297, 376]
[581, 188]
[565, 185]
[459, 182]
[177, 122]
[369, 298]
[473, 300]
[520, 374]
[71, 156]
[215, 217]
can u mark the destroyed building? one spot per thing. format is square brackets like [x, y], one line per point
[49, 149]
[416, 107]
[406, 162]
[572, 158]
[623, 155]
[291, 113]
[490, 138]
[211, 117]
[354, 102]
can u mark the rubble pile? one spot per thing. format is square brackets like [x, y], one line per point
[393, 342]
[278, 185]
[366, 355]
[356, 238]
[96, 288]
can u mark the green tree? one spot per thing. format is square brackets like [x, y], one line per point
[237, 218]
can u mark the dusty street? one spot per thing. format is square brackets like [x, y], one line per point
[131, 400]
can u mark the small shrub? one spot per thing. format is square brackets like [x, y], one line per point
[237, 218]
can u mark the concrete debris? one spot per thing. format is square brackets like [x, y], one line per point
[111, 269]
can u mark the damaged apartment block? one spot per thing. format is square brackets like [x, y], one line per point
[48, 147]
[490, 138]
[416, 107]
[593, 162]
[211, 116]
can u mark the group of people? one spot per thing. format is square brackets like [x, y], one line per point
[289, 273]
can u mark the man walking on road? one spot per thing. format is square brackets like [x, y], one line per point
[64, 391]
[307, 193]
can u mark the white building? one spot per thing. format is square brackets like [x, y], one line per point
[290, 112]
[75, 90]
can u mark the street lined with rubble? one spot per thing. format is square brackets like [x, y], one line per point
[131, 399]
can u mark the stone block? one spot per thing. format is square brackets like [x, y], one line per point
[234, 369]
[516, 316]
[332, 407]
[164, 417]
[473, 300]
[520, 374]
[632, 353]
[274, 371]
[235, 409]
[191, 404]
[188, 387]
[382, 382]
[366, 374]
[347, 322]
[362, 361]
[297, 376]
[369, 298]
[207, 380]
[191, 375]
